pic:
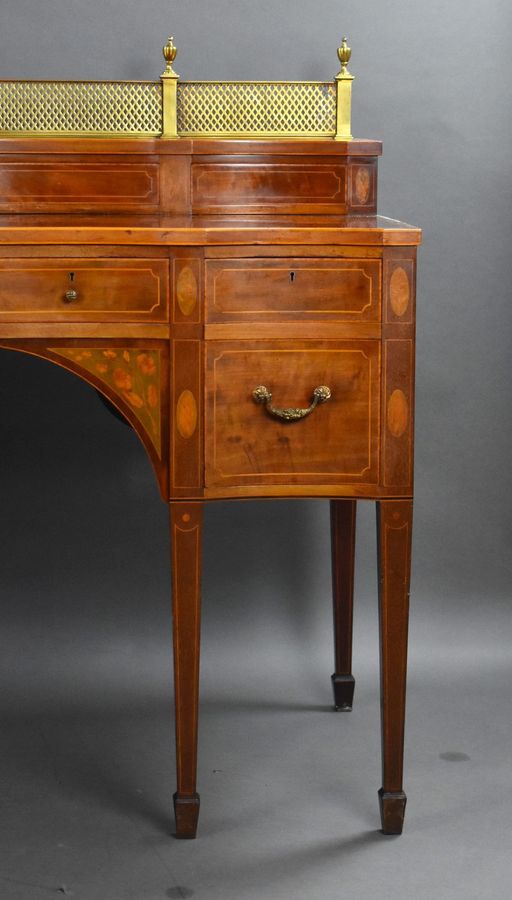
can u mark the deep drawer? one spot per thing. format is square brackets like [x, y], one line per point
[62, 290]
[337, 290]
[336, 443]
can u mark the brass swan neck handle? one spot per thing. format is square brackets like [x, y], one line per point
[261, 394]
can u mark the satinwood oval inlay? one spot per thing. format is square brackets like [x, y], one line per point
[399, 291]
[398, 413]
[362, 185]
[186, 414]
[186, 291]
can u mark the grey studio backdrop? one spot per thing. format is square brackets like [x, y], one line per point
[289, 804]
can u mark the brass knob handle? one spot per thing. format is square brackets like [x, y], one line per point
[261, 394]
[70, 296]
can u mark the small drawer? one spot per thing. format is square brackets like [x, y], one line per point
[268, 183]
[52, 182]
[336, 443]
[85, 290]
[335, 290]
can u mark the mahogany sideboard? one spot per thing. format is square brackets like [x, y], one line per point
[230, 289]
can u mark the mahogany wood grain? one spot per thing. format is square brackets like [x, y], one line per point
[343, 546]
[186, 542]
[394, 532]
[175, 194]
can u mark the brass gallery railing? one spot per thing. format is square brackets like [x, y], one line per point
[173, 109]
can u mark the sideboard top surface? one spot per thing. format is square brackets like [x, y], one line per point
[55, 228]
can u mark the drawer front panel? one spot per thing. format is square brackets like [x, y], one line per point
[282, 184]
[337, 443]
[337, 290]
[64, 290]
[79, 183]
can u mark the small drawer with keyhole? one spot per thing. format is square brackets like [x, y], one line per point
[284, 288]
[88, 290]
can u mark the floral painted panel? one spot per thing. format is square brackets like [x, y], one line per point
[132, 373]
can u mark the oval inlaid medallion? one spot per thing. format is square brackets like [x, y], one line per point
[398, 413]
[362, 185]
[399, 291]
[186, 414]
[186, 291]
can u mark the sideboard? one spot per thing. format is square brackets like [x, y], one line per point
[208, 256]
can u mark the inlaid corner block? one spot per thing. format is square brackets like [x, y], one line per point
[187, 295]
[398, 369]
[225, 282]
[362, 185]
[186, 440]
[399, 288]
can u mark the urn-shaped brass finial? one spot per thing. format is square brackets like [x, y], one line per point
[169, 52]
[344, 54]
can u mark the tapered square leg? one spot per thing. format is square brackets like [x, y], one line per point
[343, 536]
[186, 534]
[394, 532]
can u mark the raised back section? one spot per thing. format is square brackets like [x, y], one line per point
[192, 147]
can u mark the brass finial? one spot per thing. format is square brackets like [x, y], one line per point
[169, 52]
[344, 54]
[343, 94]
